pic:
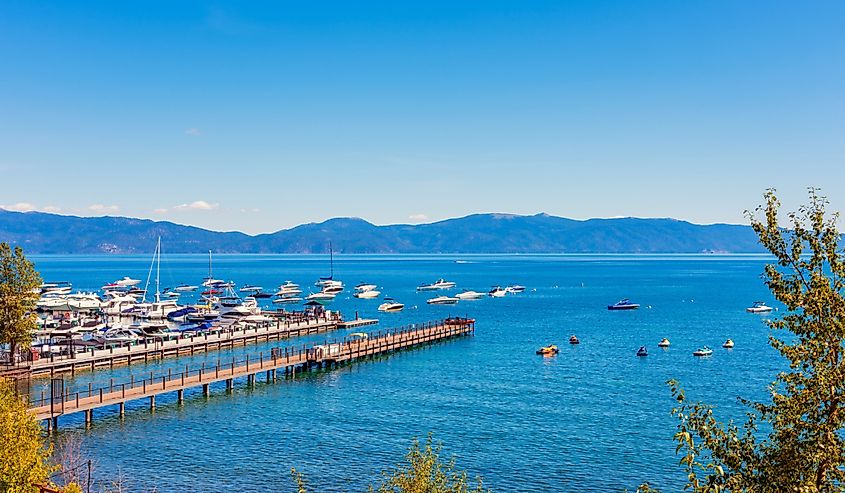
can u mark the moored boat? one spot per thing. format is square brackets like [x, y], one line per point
[390, 305]
[703, 351]
[729, 344]
[759, 307]
[623, 304]
[642, 351]
[442, 300]
[367, 295]
[497, 292]
[469, 295]
[663, 343]
[574, 340]
[549, 350]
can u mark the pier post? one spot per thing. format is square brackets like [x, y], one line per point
[122, 409]
[55, 420]
[205, 390]
[250, 380]
[89, 417]
[268, 376]
[229, 385]
[152, 403]
[180, 395]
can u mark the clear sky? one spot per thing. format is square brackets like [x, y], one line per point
[256, 116]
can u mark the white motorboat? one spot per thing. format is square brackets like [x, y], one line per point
[52, 302]
[158, 310]
[391, 305]
[333, 289]
[515, 288]
[321, 296]
[83, 301]
[439, 284]
[442, 300]
[185, 288]
[288, 289]
[287, 299]
[759, 307]
[56, 288]
[365, 287]
[497, 292]
[127, 282]
[367, 295]
[470, 295]
[251, 289]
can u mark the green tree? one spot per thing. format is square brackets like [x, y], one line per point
[423, 471]
[23, 456]
[19, 282]
[794, 442]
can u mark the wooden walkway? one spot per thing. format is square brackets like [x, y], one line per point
[145, 351]
[290, 360]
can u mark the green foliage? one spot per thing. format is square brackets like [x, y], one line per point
[19, 283]
[425, 472]
[804, 449]
[23, 457]
[422, 472]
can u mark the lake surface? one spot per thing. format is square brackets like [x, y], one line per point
[593, 418]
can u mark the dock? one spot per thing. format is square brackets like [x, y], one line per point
[290, 360]
[274, 330]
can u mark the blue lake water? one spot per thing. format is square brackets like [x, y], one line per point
[593, 418]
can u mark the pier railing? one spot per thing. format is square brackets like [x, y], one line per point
[61, 400]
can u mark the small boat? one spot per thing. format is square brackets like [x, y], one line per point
[391, 305]
[469, 295]
[367, 295]
[642, 351]
[497, 292]
[365, 287]
[439, 284]
[261, 295]
[516, 288]
[321, 296]
[442, 300]
[250, 289]
[185, 288]
[127, 282]
[170, 293]
[623, 304]
[728, 344]
[549, 350]
[663, 343]
[332, 289]
[287, 299]
[758, 307]
[574, 340]
[702, 351]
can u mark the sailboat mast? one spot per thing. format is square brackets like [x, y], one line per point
[158, 270]
[331, 261]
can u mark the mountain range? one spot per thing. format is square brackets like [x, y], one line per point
[43, 233]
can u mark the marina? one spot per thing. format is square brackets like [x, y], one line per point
[290, 360]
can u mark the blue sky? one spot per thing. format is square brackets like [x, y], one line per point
[256, 116]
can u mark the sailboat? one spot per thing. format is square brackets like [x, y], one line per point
[210, 281]
[329, 284]
[158, 309]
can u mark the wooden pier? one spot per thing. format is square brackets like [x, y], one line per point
[289, 360]
[224, 339]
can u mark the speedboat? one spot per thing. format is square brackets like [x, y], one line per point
[321, 296]
[758, 307]
[184, 288]
[574, 340]
[439, 284]
[367, 295]
[469, 295]
[702, 351]
[497, 292]
[261, 295]
[127, 282]
[516, 288]
[642, 351]
[390, 305]
[61, 287]
[623, 304]
[287, 299]
[365, 287]
[333, 288]
[663, 343]
[442, 300]
[729, 344]
[250, 288]
[549, 350]
[171, 294]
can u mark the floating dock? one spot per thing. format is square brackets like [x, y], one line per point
[290, 360]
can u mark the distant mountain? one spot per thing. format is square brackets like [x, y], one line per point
[40, 232]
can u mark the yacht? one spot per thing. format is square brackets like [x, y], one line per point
[127, 282]
[442, 300]
[62, 287]
[469, 295]
[333, 288]
[758, 307]
[185, 288]
[516, 288]
[251, 289]
[83, 301]
[158, 310]
[367, 295]
[52, 302]
[623, 304]
[117, 304]
[288, 289]
[365, 287]
[390, 305]
[321, 296]
[497, 292]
